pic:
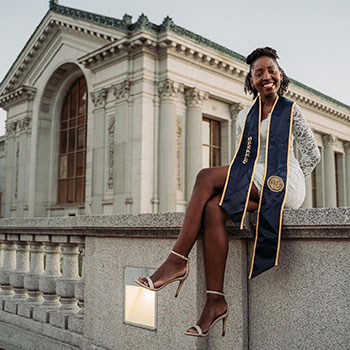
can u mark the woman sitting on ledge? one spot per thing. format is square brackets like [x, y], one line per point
[264, 175]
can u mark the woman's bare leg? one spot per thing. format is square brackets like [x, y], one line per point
[209, 182]
[215, 249]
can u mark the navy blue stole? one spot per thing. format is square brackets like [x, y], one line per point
[273, 193]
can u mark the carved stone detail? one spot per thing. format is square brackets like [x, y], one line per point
[24, 124]
[18, 126]
[111, 129]
[122, 91]
[195, 97]
[10, 128]
[168, 89]
[99, 97]
[235, 108]
[329, 140]
[347, 146]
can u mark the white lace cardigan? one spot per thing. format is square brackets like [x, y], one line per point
[298, 170]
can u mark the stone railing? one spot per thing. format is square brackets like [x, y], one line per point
[62, 284]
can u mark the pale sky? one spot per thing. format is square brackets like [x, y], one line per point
[310, 36]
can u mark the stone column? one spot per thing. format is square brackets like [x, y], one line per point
[123, 150]
[308, 193]
[17, 277]
[329, 168]
[17, 139]
[167, 146]
[8, 195]
[31, 280]
[194, 99]
[347, 171]
[98, 150]
[1, 255]
[47, 284]
[235, 108]
[9, 265]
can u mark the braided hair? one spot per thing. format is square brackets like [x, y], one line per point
[251, 58]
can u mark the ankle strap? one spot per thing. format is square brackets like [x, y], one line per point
[214, 292]
[183, 257]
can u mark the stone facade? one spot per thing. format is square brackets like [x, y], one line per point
[149, 88]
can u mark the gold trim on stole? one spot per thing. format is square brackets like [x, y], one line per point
[262, 188]
[285, 195]
[253, 172]
[234, 157]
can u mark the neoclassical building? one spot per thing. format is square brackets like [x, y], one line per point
[108, 116]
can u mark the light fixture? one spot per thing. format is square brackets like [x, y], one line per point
[140, 304]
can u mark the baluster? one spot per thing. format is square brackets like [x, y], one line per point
[76, 322]
[9, 264]
[47, 284]
[17, 278]
[65, 286]
[1, 259]
[79, 286]
[31, 280]
[1, 254]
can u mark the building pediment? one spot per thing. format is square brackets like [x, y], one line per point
[55, 28]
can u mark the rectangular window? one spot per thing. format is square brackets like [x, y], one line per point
[211, 149]
[339, 178]
[336, 177]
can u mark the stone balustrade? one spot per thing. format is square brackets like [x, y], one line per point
[62, 284]
[39, 278]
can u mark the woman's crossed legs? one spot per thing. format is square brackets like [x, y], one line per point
[204, 212]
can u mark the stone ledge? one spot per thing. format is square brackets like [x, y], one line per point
[31, 331]
[301, 223]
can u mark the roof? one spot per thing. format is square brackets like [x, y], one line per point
[125, 25]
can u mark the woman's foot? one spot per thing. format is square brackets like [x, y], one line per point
[214, 307]
[172, 268]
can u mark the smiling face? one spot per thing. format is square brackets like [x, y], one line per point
[266, 76]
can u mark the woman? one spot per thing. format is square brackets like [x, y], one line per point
[216, 189]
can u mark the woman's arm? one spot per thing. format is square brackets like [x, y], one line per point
[239, 124]
[306, 142]
[238, 133]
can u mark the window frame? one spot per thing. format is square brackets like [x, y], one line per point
[71, 177]
[212, 146]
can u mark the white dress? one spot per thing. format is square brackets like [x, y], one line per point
[298, 171]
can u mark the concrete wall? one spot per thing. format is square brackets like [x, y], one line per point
[301, 304]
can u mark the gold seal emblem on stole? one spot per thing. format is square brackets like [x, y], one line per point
[275, 183]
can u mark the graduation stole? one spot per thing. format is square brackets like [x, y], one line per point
[240, 176]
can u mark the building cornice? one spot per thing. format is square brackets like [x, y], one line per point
[125, 25]
[153, 36]
[50, 24]
[21, 93]
[317, 104]
[124, 44]
[197, 54]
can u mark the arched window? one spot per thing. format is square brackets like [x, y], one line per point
[72, 149]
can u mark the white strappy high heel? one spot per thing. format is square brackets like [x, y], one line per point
[181, 279]
[222, 317]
